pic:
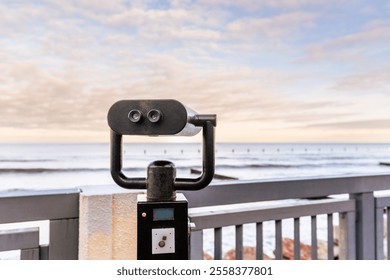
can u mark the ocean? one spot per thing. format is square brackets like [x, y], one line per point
[48, 166]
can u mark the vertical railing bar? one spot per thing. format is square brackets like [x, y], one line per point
[259, 241]
[44, 252]
[314, 255]
[330, 237]
[351, 221]
[297, 239]
[64, 239]
[218, 243]
[196, 245]
[388, 232]
[379, 255]
[278, 240]
[239, 242]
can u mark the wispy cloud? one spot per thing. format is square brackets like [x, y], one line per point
[257, 5]
[370, 81]
[351, 47]
[358, 124]
[272, 27]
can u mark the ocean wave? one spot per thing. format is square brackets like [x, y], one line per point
[264, 165]
[49, 170]
[27, 160]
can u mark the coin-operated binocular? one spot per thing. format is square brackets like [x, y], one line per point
[162, 215]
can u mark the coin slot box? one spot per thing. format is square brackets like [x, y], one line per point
[163, 240]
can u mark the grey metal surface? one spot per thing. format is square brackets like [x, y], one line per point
[64, 242]
[239, 242]
[196, 245]
[379, 254]
[44, 252]
[15, 239]
[297, 239]
[330, 237]
[263, 190]
[314, 244]
[24, 206]
[382, 201]
[218, 243]
[278, 240]
[259, 241]
[388, 231]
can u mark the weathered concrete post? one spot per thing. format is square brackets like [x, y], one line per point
[108, 223]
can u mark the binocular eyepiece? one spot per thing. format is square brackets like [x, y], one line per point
[153, 116]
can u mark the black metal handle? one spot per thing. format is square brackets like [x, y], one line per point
[208, 160]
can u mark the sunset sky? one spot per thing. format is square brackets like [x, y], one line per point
[272, 71]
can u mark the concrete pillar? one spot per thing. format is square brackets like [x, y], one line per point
[108, 223]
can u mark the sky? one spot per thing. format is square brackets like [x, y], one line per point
[272, 70]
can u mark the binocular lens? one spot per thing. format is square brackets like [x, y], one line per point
[135, 116]
[154, 115]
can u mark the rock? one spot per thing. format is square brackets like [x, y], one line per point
[288, 250]
[322, 250]
[336, 234]
[207, 257]
[249, 253]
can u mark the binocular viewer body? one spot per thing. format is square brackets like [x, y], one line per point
[159, 118]
[155, 118]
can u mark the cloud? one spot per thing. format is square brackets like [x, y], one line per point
[251, 5]
[89, 8]
[352, 47]
[358, 124]
[374, 81]
[272, 27]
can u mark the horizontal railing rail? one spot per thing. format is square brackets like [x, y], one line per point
[209, 217]
[232, 192]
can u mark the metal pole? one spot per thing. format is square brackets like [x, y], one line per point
[160, 181]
